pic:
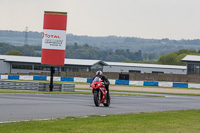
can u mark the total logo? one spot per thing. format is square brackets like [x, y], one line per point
[52, 40]
[50, 36]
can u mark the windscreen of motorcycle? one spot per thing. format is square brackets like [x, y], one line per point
[97, 79]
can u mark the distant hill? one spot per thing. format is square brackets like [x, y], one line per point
[154, 46]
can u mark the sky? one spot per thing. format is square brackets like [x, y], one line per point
[173, 19]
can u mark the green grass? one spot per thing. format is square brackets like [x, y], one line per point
[76, 92]
[40, 92]
[162, 122]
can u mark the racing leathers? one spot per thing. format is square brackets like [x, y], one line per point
[106, 82]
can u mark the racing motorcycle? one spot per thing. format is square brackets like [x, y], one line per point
[100, 93]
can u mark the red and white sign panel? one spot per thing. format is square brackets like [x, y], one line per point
[54, 38]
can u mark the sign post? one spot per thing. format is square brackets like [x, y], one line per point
[54, 40]
[51, 79]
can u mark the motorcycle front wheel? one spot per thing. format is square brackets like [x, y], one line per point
[96, 99]
[107, 101]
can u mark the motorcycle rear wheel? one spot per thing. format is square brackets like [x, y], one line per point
[96, 99]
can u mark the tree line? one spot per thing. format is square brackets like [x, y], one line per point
[88, 52]
[151, 49]
[24, 50]
[77, 52]
[174, 58]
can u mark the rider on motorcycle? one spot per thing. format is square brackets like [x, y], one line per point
[104, 79]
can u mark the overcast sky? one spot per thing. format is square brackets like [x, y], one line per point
[173, 19]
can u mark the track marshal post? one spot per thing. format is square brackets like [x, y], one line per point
[54, 41]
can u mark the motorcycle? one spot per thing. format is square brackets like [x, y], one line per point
[100, 93]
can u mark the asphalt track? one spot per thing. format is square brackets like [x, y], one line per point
[17, 107]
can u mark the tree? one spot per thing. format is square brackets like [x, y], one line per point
[152, 56]
[128, 50]
[27, 50]
[75, 45]
[14, 52]
[176, 57]
[169, 59]
[186, 51]
[128, 61]
[86, 45]
[179, 58]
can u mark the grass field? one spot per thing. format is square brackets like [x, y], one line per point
[162, 122]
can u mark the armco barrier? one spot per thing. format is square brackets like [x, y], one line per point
[185, 85]
[45, 87]
[70, 79]
[112, 82]
[13, 77]
[122, 82]
[136, 83]
[54, 78]
[24, 77]
[18, 85]
[22, 85]
[148, 83]
[77, 79]
[165, 84]
[190, 85]
[68, 87]
[89, 80]
[4, 76]
[39, 78]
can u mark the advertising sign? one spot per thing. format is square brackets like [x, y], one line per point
[54, 38]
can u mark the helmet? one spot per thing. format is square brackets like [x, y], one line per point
[99, 73]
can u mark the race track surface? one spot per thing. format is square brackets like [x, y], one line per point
[17, 107]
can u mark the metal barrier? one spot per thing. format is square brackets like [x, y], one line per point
[68, 87]
[18, 85]
[45, 87]
[22, 85]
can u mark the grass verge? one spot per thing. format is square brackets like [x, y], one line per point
[40, 92]
[162, 122]
[76, 92]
